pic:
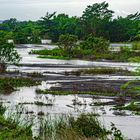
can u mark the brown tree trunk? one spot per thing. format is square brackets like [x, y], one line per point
[2, 68]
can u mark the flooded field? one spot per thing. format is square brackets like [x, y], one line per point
[54, 70]
[63, 105]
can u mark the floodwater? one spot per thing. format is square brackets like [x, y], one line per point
[129, 125]
[32, 59]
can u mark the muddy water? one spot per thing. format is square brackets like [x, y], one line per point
[129, 125]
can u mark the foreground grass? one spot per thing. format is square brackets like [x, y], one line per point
[64, 127]
[70, 128]
[12, 130]
[8, 85]
[83, 127]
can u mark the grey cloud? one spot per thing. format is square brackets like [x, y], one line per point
[33, 9]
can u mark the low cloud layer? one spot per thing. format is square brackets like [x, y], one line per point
[34, 9]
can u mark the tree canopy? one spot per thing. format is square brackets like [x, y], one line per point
[67, 43]
[97, 19]
[8, 55]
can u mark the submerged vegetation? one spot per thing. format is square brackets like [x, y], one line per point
[35, 75]
[96, 71]
[8, 85]
[39, 91]
[132, 106]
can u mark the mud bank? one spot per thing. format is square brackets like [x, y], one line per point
[100, 83]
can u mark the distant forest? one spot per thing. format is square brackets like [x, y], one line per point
[97, 20]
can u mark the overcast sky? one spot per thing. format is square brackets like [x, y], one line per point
[34, 9]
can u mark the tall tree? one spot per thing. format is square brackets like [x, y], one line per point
[124, 28]
[95, 17]
[8, 55]
[67, 43]
[46, 25]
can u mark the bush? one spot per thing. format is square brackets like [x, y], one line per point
[136, 46]
[67, 43]
[88, 125]
[98, 45]
[2, 109]
[8, 55]
[134, 59]
[85, 126]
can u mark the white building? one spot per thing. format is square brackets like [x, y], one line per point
[10, 41]
[46, 41]
[117, 47]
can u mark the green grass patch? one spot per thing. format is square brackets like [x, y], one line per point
[136, 46]
[54, 52]
[96, 71]
[53, 57]
[134, 59]
[38, 91]
[8, 85]
[50, 54]
[125, 55]
[96, 93]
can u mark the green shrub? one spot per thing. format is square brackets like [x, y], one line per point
[136, 46]
[2, 109]
[88, 125]
[134, 59]
[98, 45]
[73, 128]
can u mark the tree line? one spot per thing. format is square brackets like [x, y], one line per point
[97, 20]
